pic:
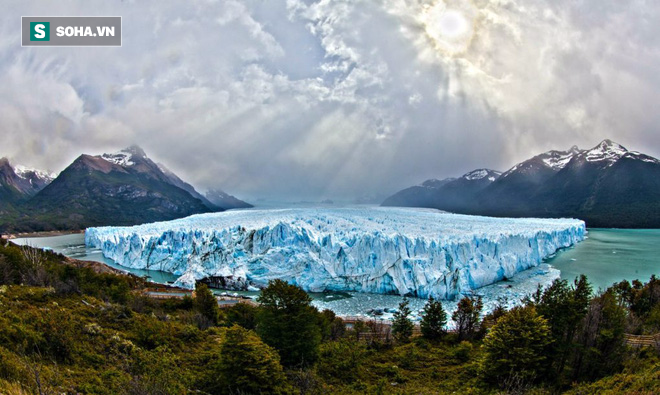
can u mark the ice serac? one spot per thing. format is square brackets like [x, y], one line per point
[418, 252]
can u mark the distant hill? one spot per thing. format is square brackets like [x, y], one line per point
[122, 188]
[453, 194]
[607, 186]
[225, 200]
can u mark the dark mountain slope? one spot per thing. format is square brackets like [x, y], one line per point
[125, 188]
[607, 186]
[451, 194]
[418, 195]
[225, 200]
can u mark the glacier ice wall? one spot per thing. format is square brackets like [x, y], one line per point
[419, 252]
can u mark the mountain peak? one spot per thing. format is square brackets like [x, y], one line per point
[482, 173]
[26, 172]
[607, 143]
[126, 156]
[607, 150]
[135, 150]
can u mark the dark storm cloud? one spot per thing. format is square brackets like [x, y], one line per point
[304, 100]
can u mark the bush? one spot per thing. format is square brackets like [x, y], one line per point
[341, 361]
[517, 346]
[246, 365]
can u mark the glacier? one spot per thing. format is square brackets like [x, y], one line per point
[386, 250]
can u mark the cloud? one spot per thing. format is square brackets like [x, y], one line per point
[305, 100]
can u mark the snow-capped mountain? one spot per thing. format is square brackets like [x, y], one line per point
[448, 194]
[480, 174]
[551, 160]
[20, 182]
[35, 176]
[435, 183]
[121, 188]
[607, 186]
[607, 152]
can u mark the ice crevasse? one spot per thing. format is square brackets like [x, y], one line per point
[418, 252]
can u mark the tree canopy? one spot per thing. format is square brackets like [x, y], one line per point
[288, 322]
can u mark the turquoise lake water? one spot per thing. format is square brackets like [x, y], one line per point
[612, 255]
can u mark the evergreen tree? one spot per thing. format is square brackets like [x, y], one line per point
[288, 322]
[434, 320]
[467, 316]
[245, 365]
[516, 346]
[205, 303]
[402, 326]
[564, 307]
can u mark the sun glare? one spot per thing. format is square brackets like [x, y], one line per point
[450, 25]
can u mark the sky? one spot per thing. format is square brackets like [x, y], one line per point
[306, 100]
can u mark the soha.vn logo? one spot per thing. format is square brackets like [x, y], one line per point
[39, 31]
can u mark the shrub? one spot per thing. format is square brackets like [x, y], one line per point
[245, 365]
[517, 345]
[341, 360]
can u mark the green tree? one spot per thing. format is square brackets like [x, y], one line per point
[288, 322]
[516, 346]
[205, 303]
[245, 365]
[600, 341]
[332, 327]
[402, 326]
[564, 307]
[242, 314]
[467, 316]
[434, 320]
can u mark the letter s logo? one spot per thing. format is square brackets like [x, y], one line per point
[39, 31]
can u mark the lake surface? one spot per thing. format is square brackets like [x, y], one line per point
[612, 255]
[606, 256]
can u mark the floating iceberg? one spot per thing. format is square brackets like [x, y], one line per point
[405, 251]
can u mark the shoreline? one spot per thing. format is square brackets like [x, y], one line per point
[47, 233]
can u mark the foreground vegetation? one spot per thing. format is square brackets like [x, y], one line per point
[67, 329]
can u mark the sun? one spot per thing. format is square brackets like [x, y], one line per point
[450, 25]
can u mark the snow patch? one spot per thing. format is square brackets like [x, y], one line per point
[481, 174]
[557, 160]
[607, 151]
[120, 158]
[22, 172]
